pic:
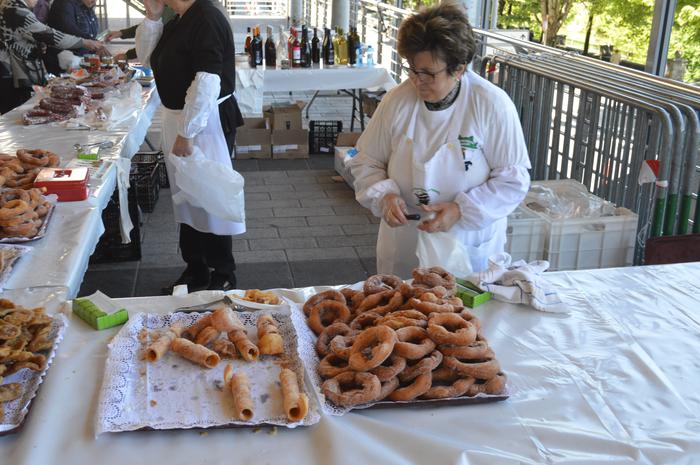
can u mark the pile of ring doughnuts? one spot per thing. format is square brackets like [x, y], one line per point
[22, 212]
[398, 341]
[21, 170]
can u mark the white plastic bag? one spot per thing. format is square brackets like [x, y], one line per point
[445, 250]
[210, 185]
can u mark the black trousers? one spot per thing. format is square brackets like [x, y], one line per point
[201, 250]
[12, 97]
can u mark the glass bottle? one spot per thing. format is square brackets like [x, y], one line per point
[270, 52]
[352, 59]
[315, 50]
[296, 53]
[248, 40]
[305, 48]
[328, 52]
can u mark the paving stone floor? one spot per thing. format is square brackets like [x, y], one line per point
[304, 228]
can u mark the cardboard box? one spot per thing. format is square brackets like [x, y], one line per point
[347, 139]
[254, 139]
[287, 144]
[284, 115]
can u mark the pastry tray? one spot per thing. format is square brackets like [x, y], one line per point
[174, 393]
[41, 233]
[6, 272]
[16, 411]
[307, 342]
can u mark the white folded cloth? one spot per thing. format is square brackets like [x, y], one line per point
[519, 283]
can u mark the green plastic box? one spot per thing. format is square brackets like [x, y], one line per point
[471, 295]
[92, 315]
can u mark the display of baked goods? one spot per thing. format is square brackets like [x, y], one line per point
[9, 254]
[25, 339]
[260, 382]
[20, 170]
[23, 213]
[63, 101]
[396, 341]
[258, 296]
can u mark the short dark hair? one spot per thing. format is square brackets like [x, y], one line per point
[443, 30]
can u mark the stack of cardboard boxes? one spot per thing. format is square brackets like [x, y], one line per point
[277, 135]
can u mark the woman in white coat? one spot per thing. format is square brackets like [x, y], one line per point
[193, 63]
[445, 144]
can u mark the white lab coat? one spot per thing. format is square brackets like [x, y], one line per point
[198, 120]
[472, 153]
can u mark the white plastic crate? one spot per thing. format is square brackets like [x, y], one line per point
[587, 242]
[526, 235]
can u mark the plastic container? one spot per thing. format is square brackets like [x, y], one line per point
[110, 247]
[146, 178]
[369, 59]
[471, 295]
[69, 184]
[526, 235]
[322, 136]
[587, 242]
[95, 317]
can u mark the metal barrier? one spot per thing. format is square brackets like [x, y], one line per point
[582, 118]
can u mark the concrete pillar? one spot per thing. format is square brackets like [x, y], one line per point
[480, 13]
[296, 12]
[341, 14]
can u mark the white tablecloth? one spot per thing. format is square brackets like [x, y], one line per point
[61, 257]
[616, 381]
[252, 82]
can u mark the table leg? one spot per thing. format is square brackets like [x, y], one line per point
[362, 111]
[308, 106]
[352, 117]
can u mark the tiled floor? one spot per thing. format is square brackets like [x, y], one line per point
[304, 228]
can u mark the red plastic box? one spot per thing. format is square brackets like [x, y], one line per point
[69, 184]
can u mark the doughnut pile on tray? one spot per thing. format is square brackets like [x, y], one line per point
[21, 170]
[398, 341]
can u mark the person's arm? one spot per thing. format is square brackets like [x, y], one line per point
[129, 32]
[369, 166]
[147, 35]
[506, 154]
[35, 31]
[203, 93]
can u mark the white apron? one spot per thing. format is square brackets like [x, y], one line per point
[212, 143]
[437, 177]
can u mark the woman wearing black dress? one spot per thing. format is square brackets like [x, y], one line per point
[193, 62]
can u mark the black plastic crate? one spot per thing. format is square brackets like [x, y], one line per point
[146, 178]
[164, 181]
[322, 136]
[110, 247]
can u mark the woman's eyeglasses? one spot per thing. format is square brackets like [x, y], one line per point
[423, 76]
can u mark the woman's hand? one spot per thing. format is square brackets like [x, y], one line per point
[111, 35]
[96, 46]
[394, 210]
[182, 147]
[446, 215]
[154, 9]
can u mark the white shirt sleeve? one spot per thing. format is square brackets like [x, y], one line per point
[506, 154]
[369, 166]
[147, 36]
[200, 101]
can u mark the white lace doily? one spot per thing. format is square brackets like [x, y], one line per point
[175, 393]
[307, 352]
[16, 410]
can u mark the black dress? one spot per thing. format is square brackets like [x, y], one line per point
[200, 41]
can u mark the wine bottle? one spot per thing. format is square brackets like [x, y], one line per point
[342, 53]
[258, 47]
[305, 49]
[315, 51]
[328, 52]
[270, 52]
[351, 48]
[296, 53]
[248, 40]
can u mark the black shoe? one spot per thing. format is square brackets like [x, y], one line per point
[196, 280]
[222, 282]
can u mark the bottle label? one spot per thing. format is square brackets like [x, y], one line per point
[297, 54]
